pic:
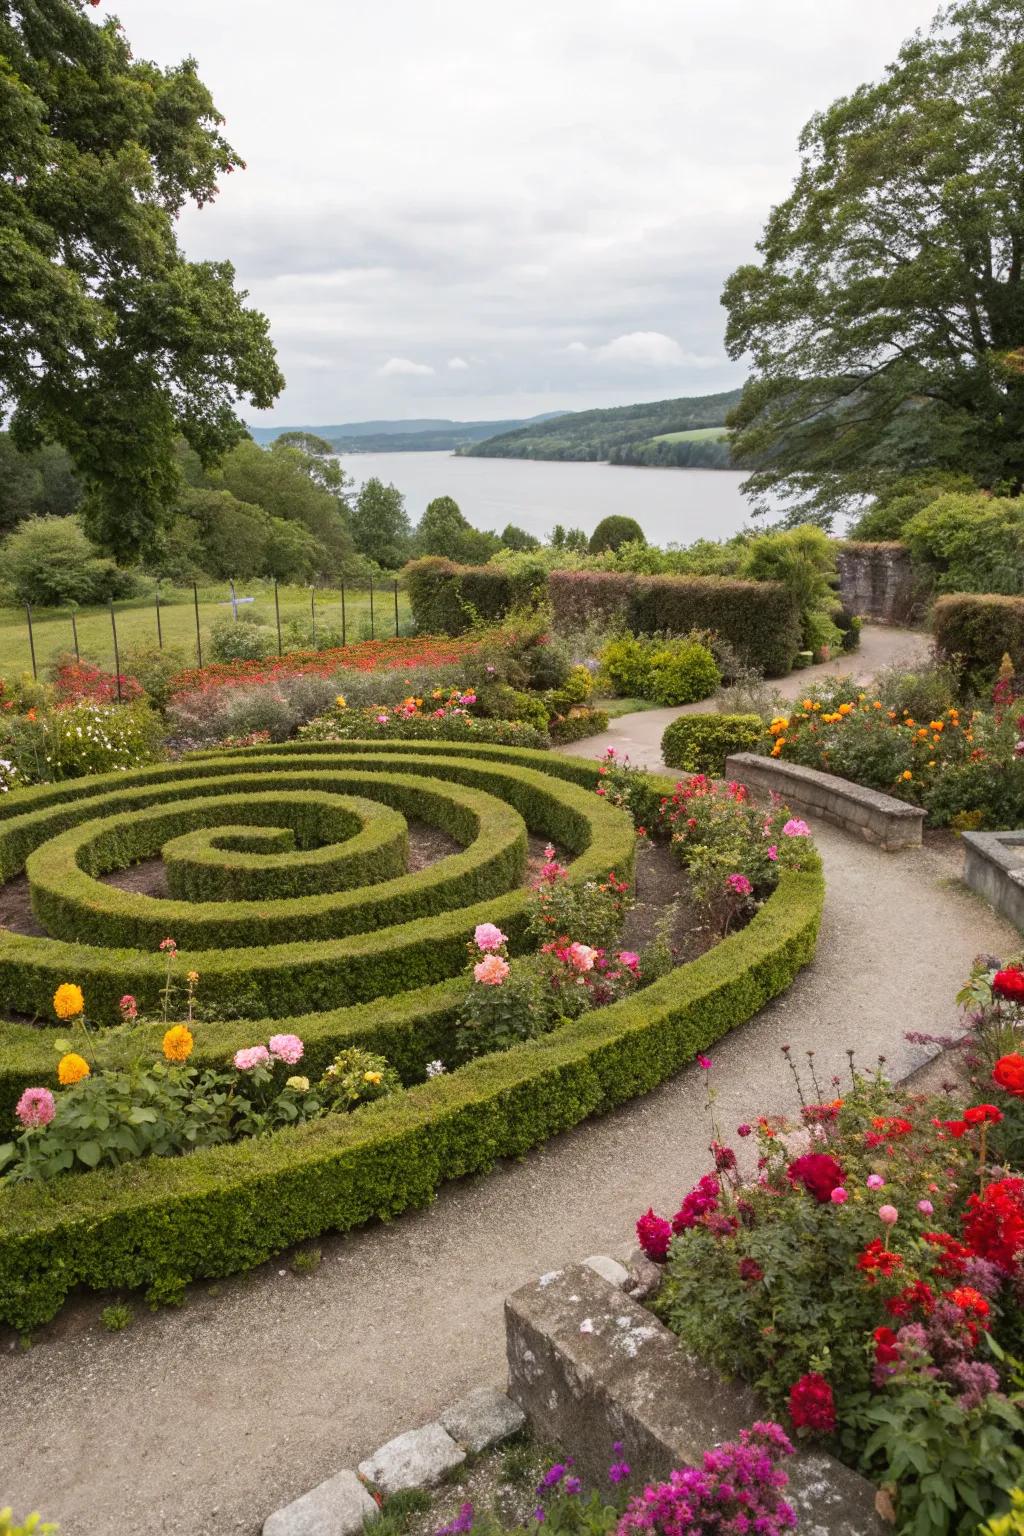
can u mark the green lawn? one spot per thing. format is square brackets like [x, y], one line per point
[694, 435]
[136, 621]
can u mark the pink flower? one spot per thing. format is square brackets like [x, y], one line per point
[129, 1008]
[925, 1207]
[382, 719]
[630, 959]
[169, 945]
[796, 828]
[773, 852]
[704, 1062]
[489, 936]
[889, 1214]
[581, 957]
[251, 1056]
[35, 1107]
[739, 884]
[875, 1181]
[287, 1048]
[654, 1235]
[838, 1195]
[491, 971]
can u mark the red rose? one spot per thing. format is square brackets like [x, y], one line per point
[886, 1349]
[956, 1128]
[994, 1225]
[811, 1404]
[979, 1113]
[1008, 1072]
[818, 1172]
[1009, 985]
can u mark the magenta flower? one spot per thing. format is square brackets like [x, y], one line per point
[839, 1195]
[654, 1234]
[773, 852]
[796, 828]
[875, 1181]
[36, 1107]
[739, 884]
[287, 1048]
[129, 1008]
[252, 1056]
[630, 959]
[925, 1207]
[704, 1062]
[489, 936]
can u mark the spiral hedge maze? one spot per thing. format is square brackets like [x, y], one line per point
[289, 894]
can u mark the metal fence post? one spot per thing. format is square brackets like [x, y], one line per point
[31, 639]
[199, 638]
[74, 636]
[312, 613]
[159, 626]
[277, 615]
[371, 608]
[396, 608]
[343, 630]
[117, 654]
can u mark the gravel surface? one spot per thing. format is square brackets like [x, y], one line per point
[206, 1419]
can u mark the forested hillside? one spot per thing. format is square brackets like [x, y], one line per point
[605, 434]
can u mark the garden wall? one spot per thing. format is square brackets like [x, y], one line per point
[876, 581]
[880, 819]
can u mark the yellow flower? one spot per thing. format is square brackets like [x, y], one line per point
[300, 1084]
[372, 1077]
[178, 1043]
[193, 977]
[778, 725]
[71, 1069]
[340, 701]
[779, 744]
[807, 704]
[906, 774]
[68, 1001]
[846, 709]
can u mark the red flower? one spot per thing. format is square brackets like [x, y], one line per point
[978, 1114]
[1009, 985]
[918, 1294]
[751, 1271]
[818, 1172]
[811, 1404]
[892, 1125]
[954, 1254]
[970, 1301]
[654, 1235]
[994, 1224]
[956, 1128]
[1008, 1072]
[877, 1259]
[886, 1349]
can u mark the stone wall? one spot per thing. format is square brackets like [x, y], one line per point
[880, 819]
[994, 867]
[877, 582]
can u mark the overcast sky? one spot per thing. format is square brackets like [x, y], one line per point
[453, 208]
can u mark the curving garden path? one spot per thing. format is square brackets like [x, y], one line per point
[206, 1419]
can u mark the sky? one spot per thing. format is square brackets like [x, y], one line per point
[458, 209]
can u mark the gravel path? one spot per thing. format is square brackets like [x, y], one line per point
[206, 1419]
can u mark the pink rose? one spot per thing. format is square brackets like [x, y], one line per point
[773, 852]
[838, 1195]
[796, 828]
[581, 957]
[491, 971]
[925, 1207]
[488, 936]
[875, 1181]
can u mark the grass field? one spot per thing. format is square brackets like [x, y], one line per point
[136, 622]
[695, 435]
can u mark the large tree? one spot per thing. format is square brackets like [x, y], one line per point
[885, 318]
[111, 342]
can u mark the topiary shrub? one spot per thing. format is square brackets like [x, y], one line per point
[976, 631]
[701, 743]
[576, 725]
[760, 620]
[613, 531]
[668, 671]
[49, 561]
[448, 599]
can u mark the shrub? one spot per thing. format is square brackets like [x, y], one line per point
[241, 640]
[449, 599]
[975, 632]
[49, 561]
[969, 543]
[79, 739]
[155, 668]
[613, 531]
[74, 680]
[701, 743]
[669, 671]
[803, 560]
[577, 725]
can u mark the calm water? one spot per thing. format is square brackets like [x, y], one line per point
[672, 506]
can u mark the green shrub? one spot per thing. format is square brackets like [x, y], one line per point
[79, 739]
[577, 725]
[241, 640]
[449, 599]
[975, 632]
[613, 531]
[669, 671]
[969, 543]
[803, 560]
[49, 561]
[701, 743]
[155, 668]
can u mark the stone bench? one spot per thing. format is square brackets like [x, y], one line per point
[881, 819]
[590, 1366]
[994, 867]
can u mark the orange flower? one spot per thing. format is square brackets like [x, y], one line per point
[71, 1069]
[68, 1001]
[178, 1043]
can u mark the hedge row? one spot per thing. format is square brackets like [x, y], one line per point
[701, 743]
[223, 1209]
[448, 599]
[759, 619]
[977, 630]
[422, 945]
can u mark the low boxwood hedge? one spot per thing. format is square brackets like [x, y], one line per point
[701, 743]
[163, 1222]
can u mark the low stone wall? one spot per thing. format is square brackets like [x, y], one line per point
[877, 581]
[994, 867]
[881, 819]
[590, 1366]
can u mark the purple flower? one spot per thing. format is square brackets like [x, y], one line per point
[618, 1471]
[552, 1477]
[796, 828]
[571, 1486]
[463, 1522]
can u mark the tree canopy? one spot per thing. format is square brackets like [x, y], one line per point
[380, 524]
[444, 530]
[112, 343]
[885, 318]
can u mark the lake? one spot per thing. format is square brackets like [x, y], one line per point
[672, 506]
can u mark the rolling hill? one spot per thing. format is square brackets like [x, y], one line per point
[625, 434]
[418, 435]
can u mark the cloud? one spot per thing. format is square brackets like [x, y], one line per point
[402, 365]
[457, 364]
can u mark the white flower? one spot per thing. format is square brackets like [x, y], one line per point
[435, 1068]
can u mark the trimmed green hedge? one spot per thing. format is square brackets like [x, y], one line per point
[223, 1209]
[576, 727]
[759, 619]
[448, 599]
[701, 743]
[978, 630]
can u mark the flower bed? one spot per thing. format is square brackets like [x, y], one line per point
[870, 1280]
[392, 987]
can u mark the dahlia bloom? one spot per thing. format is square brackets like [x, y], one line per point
[818, 1172]
[654, 1234]
[36, 1107]
[286, 1048]
[1009, 985]
[491, 971]
[71, 1069]
[1008, 1072]
[251, 1056]
[178, 1043]
[488, 936]
[739, 884]
[581, 957]
[68, 1001]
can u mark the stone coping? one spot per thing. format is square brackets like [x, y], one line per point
[994, 867]
[590, 1366]
[889, 823]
